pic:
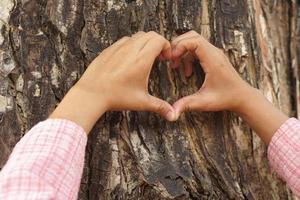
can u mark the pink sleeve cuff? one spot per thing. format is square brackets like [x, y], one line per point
[47, 163]
[284, 153]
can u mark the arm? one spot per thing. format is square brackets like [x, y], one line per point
[260, 114]
[223, 89]
[48, 161]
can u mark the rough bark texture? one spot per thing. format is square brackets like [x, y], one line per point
[45, 46]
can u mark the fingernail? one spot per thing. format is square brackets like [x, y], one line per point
[170, 116]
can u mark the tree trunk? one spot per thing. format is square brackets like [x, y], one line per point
[45, 46]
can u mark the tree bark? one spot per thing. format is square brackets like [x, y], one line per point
[45, 46]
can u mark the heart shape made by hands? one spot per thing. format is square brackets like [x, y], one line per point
[222, 85]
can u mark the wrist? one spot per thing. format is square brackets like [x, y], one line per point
[81, 107]
[247, 97]
[260, 114]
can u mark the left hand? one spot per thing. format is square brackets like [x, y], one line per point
[118, 80]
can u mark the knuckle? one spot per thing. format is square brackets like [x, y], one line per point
[199, 38]
[186, 108]
[188, 101]
[160, 38]
[193, 32]
[104, 51]
[153, 34]
[220, 50]
[125, 38]
[140, 33]
[160, 107]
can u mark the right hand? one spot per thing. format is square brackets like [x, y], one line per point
[223, 88]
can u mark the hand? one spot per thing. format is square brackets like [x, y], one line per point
[222, 88]
[118, 80]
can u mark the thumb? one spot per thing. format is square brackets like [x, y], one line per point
[189, 103]
[161, 107]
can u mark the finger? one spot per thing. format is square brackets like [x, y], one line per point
[188, 103]
[184, 36]
[188, 61]
[161, 107]
[166, 54]
[190, 44]
[175, 62]
[120, 42]
[131, 45]
[138, 43]
[155, 46]
[197, 45]
[161, 57]
[138, 34]
[166, 51]
[176, 59]
[111, 50]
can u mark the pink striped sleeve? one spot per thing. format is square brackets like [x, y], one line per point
[47, 163]
[284, 153]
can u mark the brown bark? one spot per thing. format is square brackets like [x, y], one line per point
[46, 45]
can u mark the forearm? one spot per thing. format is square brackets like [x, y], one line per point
[260, 114]
[48, 161]
[82, 107]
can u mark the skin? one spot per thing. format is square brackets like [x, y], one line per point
[223, 88]
[118, 80]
